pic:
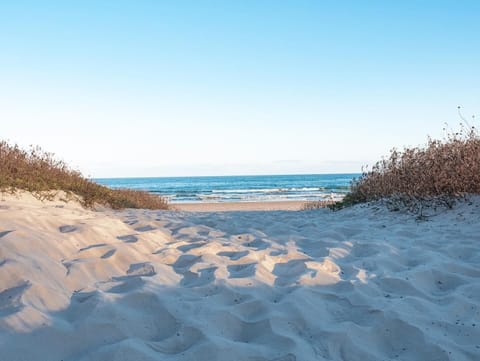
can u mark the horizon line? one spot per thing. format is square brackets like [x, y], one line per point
[228, 175]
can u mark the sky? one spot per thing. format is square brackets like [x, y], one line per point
[173, 88]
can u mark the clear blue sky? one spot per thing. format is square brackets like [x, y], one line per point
[151, 88]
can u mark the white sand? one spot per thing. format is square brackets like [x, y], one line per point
[359, 284]
[241, 206]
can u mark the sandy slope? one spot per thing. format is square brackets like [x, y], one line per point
[360, 284]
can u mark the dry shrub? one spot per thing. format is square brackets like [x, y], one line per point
[443, 168]
[39, 172]
[308, 206]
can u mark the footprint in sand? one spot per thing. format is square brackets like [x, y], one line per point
[188, 247]
[145, 228]
[67, 228]
[258, 244]
[242, 270]
[278, 252]
[82, 297]
[233, 255]
[129, 238]
[108, 254]
[82, 305]
[184, 262]
[68, 266]
[92, 246]
[289, 272]
[144, 269]
[10, 299]
[137, 270]
[131, 222]
[126, 285]
[204, 277]
[4, 233]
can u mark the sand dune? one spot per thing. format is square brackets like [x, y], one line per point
[359, 284]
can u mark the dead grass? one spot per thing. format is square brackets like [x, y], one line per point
[446, 168]
[41, 173]
[308, 206]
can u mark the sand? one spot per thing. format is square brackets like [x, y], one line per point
[241, 206]
[359, 284]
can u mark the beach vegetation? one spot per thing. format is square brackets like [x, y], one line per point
[442, 169]
[311, 205]
[42, 174]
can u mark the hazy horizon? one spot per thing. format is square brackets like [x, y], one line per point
[189, 88]
[227, 175]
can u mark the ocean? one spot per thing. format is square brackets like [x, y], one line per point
[308, 187]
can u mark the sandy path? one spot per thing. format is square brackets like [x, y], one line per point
[359, 284]
[240, 206]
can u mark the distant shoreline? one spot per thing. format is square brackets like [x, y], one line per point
[268, 188]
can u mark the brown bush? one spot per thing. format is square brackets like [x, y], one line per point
[449, 167]
[39, 172]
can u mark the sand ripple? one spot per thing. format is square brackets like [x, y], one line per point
[360, 284]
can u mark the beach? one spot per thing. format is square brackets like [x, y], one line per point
[240, 181]
[240, 189]
[363, 283]
[240, 206]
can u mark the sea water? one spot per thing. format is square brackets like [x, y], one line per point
[308, 187]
